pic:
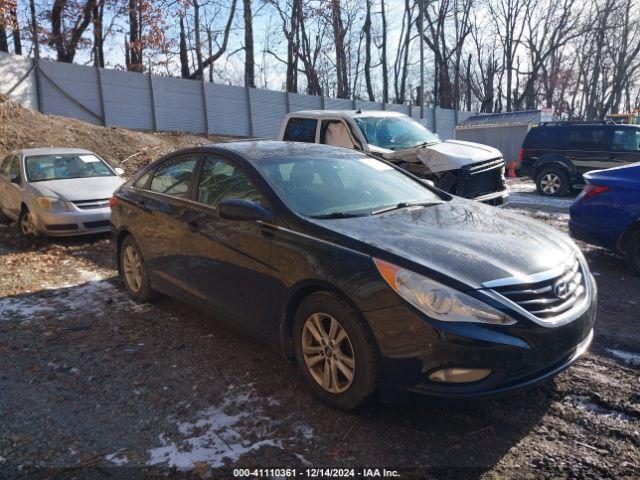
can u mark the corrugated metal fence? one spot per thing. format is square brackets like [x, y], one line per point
[148, 102]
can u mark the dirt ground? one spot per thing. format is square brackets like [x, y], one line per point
[95, 386]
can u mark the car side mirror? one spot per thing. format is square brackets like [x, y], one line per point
[119, 171]
[14, 178]
[243, 210]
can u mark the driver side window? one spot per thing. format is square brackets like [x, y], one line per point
[174, 177]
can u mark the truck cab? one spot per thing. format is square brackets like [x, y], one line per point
[466, 169]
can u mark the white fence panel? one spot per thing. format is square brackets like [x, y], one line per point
[298, 101]
[338, 104]
[268, 108]
[228, 110]
[78, 82]
[446, 123]
[399, 108]
[178, 105]
[365, 105]
[127, 99]
[12, 69]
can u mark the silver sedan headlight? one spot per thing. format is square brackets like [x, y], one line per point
[437, 300]
[52, 204]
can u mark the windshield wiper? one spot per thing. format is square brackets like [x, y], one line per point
[401, 205]
[338, 215]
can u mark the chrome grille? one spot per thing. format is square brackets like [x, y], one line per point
[89, 204]
[549, 298]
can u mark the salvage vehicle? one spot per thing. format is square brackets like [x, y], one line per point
[556, 155]
[607, 212]
[57, 191]
[467, 169]
[370, 278]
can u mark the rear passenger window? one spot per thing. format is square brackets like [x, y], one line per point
[547, 138]
[174, 177]
[586, 138]
[301, 130]
[221, 180]
[627, 139]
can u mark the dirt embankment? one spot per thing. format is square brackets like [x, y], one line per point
[131, 150]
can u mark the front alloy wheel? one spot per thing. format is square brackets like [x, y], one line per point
[28, 224]
[335, 350]
[328, 353]
[132, 268]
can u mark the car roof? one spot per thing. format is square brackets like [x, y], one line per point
[255, 151]
[28, 152]
[344, 113]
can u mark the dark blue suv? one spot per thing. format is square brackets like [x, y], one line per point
[557, 154]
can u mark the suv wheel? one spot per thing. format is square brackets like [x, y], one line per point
[133, 271]
[334, 351]
[552, 182]
[633, 253]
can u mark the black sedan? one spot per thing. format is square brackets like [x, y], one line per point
[371, 279]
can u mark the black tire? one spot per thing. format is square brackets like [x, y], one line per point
[143, 292]
[21, 224]
[364, 379]
[552, 181]
[633, 252]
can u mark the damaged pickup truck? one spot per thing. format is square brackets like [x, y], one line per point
[465, 169]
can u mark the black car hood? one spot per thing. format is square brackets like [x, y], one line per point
[464, 240]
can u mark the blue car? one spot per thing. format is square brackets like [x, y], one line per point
[607, 212]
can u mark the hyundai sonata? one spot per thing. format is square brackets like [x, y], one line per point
[369, 278]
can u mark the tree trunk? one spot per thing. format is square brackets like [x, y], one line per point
[385, 69]
[134, 62]
[341, 55]
[15, 32]
[367, 57]
[98, 34]
[196, 26]
[66, 43]
[184, 56]
[4, 45]
[249, 63]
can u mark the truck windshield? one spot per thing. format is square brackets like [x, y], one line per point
[394, 133]
[342, 185]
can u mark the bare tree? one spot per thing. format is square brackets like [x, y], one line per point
[69, 21]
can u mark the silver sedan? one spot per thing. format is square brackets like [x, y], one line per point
[57, 191]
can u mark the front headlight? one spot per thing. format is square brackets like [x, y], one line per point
[437, 300]
[52, 204]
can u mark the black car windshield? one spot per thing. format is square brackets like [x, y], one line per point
[394, 132]
[41, 168]
[342, 186]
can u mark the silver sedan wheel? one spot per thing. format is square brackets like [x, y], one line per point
[550, 183]
[132, 268]
[328, 353]
[27, 225]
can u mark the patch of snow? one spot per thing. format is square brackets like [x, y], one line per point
[218, 435]
[118, 458]
[628, 357]
[585, 405]
[92, 295]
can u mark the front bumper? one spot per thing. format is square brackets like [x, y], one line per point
[72, 223]
[412, 347]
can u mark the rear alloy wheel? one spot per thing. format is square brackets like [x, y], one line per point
[133, 271]
[552, 182]
[633, 253]
[27, 224]
[335, 351]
